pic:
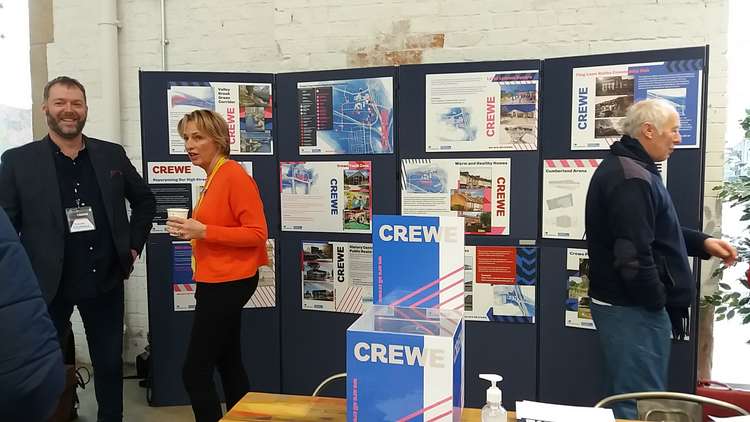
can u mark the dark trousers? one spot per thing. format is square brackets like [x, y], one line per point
[636, 345]
[102, 319]
[215, 343]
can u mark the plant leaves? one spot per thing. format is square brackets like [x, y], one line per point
[725, 286]
[746, 320]
[730, 314]
[721, 310]
[720, 317]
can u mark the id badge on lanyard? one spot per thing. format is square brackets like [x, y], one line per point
[80, 219]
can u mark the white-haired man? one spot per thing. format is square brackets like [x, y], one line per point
[640, 281]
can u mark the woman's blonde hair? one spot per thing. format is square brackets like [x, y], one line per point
[209, 123]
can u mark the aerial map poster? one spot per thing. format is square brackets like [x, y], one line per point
[602, 94]
[352, 116]
[247, 108]
[481, 111]
[336, 276]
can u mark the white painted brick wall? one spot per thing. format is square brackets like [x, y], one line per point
[297, 35]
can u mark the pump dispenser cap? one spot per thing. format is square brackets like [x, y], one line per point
[494, 395]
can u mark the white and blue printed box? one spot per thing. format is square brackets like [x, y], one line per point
[405, 364]
[418, 261]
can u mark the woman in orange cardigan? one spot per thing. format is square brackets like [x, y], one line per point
[228, 232]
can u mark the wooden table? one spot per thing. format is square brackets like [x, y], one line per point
[265, 407]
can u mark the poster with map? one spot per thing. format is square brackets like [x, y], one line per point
[352, 116]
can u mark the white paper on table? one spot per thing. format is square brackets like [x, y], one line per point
[536, 411]
[745, 418]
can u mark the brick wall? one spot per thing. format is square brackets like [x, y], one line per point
[298, 35]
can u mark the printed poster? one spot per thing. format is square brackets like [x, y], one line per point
[418, 261]
[327, 196]
[336, 276]
[500, 284]
[477, 190]
[247, 108]
[565, 185]
[177, 185]
[578, 303]
[602, 94]
[184, 287]
[352, 116]
[482, 111]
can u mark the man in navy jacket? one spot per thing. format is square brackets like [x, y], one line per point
[31, 366]
[640, 282]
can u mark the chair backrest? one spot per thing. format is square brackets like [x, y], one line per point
[669, 410]
[665, 406]
[327, 381]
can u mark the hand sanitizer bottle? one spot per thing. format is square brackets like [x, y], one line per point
[493, 411]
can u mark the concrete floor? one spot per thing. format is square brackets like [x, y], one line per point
[135, 406]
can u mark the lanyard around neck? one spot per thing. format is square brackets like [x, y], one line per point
[219, 163]
[210, 178]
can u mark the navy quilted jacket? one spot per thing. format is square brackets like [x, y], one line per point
[31, 366]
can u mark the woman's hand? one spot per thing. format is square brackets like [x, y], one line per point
[186, 228]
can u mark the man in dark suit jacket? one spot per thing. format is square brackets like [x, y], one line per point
[65, 195]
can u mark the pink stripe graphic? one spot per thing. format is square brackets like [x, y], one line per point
[438, 417]
[258, 298]
[268, 295]
[342, 302]
[347, 300]
[356, 299]
[261, 298]
[442, 305]
[579, 163]
[421, 411]
[458, 307]
[413, 319]
[564, 163]
[189, 287]
[550, 163]
[594, 163]
[354, 296]
[414, 305]
[427, 286]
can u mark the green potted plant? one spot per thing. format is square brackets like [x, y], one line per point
[734, 301]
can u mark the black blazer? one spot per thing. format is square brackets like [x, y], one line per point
[30, 195]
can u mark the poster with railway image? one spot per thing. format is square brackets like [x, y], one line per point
[326, 196]
[336, 276]
[247, 108]
[577, 302]
[352, 116]
[183, 286]
[476, 189]
[500, 283]
[565, 184]
[481, 111]
[602, 94]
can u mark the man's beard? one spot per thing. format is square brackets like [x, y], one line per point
[54, 125]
